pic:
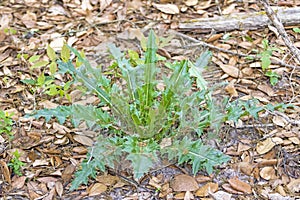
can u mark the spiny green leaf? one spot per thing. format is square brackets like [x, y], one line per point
[60, 112]
[203, 60]
[77, 113]
[88, 169]
[197, 68]
[141, 163]
[115, 52]
[29, 81]
[129, 73]
[194, 152]
[105, 152]
[82, 75]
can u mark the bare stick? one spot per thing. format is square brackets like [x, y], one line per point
[204, 44]
[278, 25]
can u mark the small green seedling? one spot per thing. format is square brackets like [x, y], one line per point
[46, 82]
[296, 30]
[10, 31]
[16, 164]
[265, 58]
[6, 123]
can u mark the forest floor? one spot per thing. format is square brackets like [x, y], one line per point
[265, 156]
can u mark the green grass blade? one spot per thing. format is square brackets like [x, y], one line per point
[150, 69]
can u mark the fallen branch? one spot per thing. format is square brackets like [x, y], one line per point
[279, 26]
[212, 47]
[241, 21]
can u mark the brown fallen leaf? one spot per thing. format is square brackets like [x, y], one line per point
[108, 179]
[214, 37]
[154, 182]
[67, 173]
[50, 195]
[97, 189]
[47, 179]
[202, 178]
[202, 5]
[231, 70]
[265, 146]
[33, 189]
[221, 195]
[279, 121]
[104, 4]
[18, 182]
[267, 173]
[294, 140]
[240, 185]
[206, 189]
[167, 8]
[266, 89]
[294, 185]
[2, 37]
[59, 188]
[191, 2]
[184, 183]
[231, 89]
[246, 167]
[229, 9]
[29, 19]
[281, 190]
[82, 139]
[266, 162]
[5, 171]
[80, 150]
[179, 195]
[243, 147]
[37, 163]
[228, 188]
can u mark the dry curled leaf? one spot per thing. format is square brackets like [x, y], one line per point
[167, 8]
[83, 140]
[231, 70]
[231, 89]
[97, 189]
[279, 121]
[29, 19]
[265, 146]
[191, 2]
[294, 185]
[206, 189]
[267, 173]
[246, 168]
[184, 183]
[18, 182]
[5, 171]
[221, 195]
[240, 185]
[59, 188]
[228, 188]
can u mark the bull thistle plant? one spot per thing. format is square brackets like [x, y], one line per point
[151, 115]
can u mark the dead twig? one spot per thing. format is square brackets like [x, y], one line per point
[280, 28]
[286, 118]
[206, 45]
